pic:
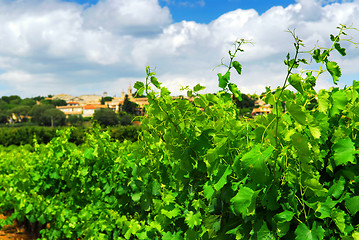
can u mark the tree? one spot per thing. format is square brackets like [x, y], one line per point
[125, 118]
[28, 102]
[21, 111]
[106, 117]
[75, 120]
[47, 115]
[246, 102]
[53, 117]
[106, 99]
[37, 112]
[128, 106]
[14, 98]
[55, 102]
[3, 118]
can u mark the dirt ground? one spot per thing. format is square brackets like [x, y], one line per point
[14, 232]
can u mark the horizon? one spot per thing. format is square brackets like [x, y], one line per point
[79, 47]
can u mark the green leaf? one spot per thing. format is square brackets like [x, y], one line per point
[222, 177]
[340, 49]
[136, 196]
[334, 70]
[283, 222]
[237, 66]
[352, 204]
[165, 92]
[208, 191]
[317, 56]
[301, 144]
[304, 233]
[337, 188]
[323, 101]
[242, 201]
[338, 217]
[234, 89]
[264, 233]
[193, 219]
[285, 216]
[254, 163]
[332, 38]
[155, 82]
[212, 98]
[223, 80]
[198, 88]
[295, 110]
[344, 151]
[200, 102]
[296, 81]
[339, 100]
[172, 213]
[138, 85]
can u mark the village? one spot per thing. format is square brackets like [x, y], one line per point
[86, 105]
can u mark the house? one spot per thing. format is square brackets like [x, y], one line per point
[72, 108]
[262, 108]
[89, 109]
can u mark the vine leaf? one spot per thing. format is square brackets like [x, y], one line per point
[338, 217]
[234, 89]
[340, 49]
[255, 163]
[223, 79]
[295, 81]
[334, 70]
[352, 204]
[155, 82]
[296, 112]
[222, 177]
[344, 151]
[237, 66]
[339, 100]
[193, 219]
[242, 201]
[304, 233]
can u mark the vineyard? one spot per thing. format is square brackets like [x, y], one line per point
[199, 170]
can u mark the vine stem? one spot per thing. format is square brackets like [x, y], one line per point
[290, 68]
[330, 49]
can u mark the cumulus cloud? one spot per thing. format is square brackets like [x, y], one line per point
[49, 46]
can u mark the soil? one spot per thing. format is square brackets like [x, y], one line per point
[15, 232]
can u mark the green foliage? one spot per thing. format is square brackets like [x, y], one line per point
[129, 107]
[199, 170]
[75, 120]
[106, 99]
[106, 117]
[125, 118]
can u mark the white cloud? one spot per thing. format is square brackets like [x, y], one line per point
[49, 46]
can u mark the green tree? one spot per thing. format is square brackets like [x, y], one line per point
[3, 117]
[106, 99]
[53, 117]
[125, 118]
[28, 102]
[75, 120]
[128, 106]
[47, 115]
[106, 117]
[16, 99]
[247, 102]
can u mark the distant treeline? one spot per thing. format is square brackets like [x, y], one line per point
[25, 135]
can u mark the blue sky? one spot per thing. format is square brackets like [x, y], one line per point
[89, 47]
[206, 11]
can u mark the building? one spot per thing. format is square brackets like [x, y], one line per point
[89, 109]
[262, 108]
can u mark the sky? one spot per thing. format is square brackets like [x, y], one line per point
[82, 47]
